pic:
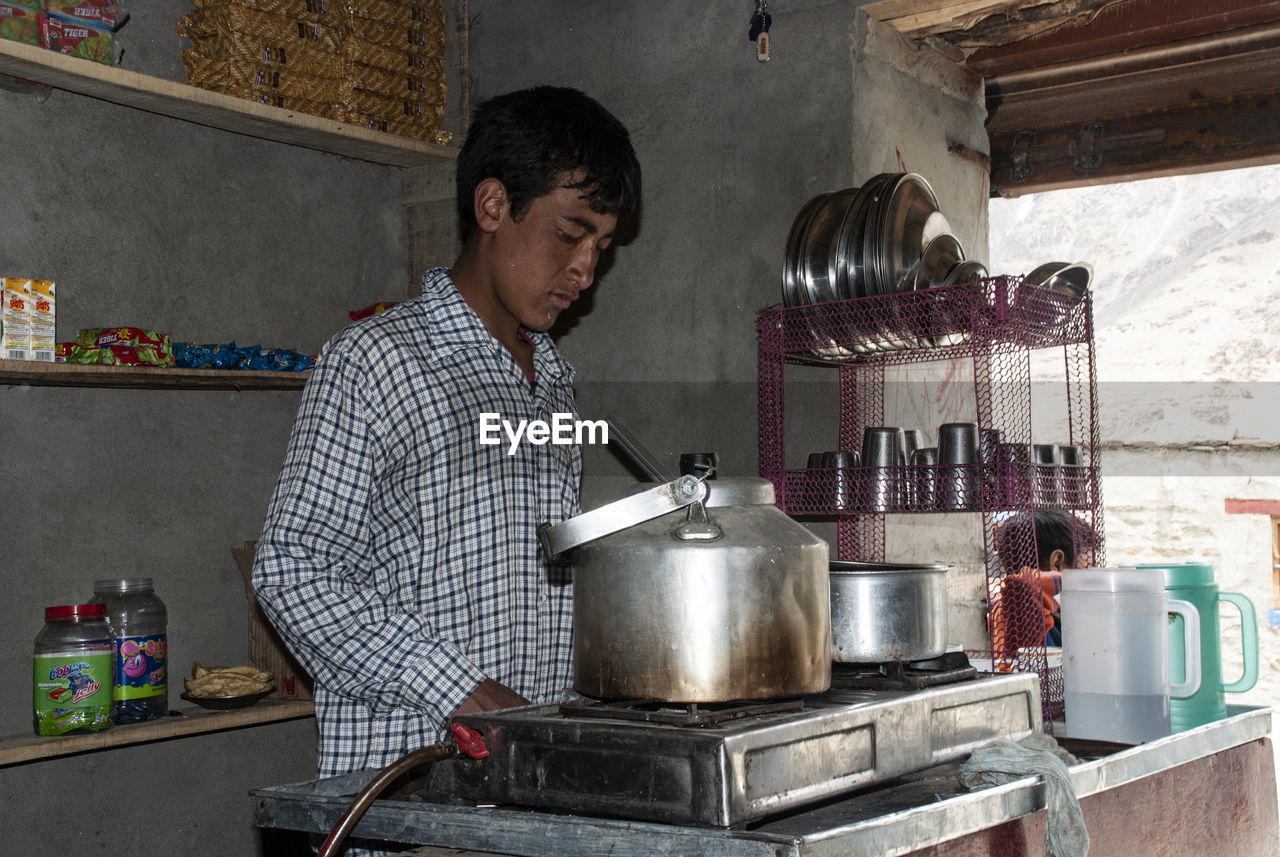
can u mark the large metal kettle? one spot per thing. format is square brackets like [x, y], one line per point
[696, 591]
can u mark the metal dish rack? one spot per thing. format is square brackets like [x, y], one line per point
[995, 324]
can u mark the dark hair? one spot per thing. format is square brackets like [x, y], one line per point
[533, 139]
[1053, 530]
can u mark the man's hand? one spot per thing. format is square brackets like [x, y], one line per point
[490, 696]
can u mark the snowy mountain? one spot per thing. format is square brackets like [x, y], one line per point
[1186, 296]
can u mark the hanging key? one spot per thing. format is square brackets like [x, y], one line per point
[759, 33]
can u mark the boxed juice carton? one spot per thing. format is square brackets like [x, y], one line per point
[16, 319]
[42, 312]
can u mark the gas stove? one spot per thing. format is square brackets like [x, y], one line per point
[729, 765]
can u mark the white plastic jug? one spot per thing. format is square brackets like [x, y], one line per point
[1115, 653]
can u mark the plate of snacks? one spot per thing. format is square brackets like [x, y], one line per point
[223, 688]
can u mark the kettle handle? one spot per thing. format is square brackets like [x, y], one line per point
[1191, 645]
[621, 514]
[1248, 642]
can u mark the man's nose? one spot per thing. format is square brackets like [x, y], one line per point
[583, 264]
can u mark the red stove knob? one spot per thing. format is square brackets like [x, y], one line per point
[469, 741]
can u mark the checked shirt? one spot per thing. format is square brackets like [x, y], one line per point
[399, 559]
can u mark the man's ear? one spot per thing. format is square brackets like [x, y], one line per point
[491, 204]
[1057, 560]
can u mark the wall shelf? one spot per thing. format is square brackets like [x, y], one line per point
[214, 109]
[16, 749]
[30, 372]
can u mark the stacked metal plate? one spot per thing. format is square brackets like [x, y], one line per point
[884, 237]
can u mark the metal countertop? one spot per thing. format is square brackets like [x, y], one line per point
[915, 812]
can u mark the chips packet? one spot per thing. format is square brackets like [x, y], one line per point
[119, 346]
[103, 14]
[77, 38]
[20, 22]
[371, 309]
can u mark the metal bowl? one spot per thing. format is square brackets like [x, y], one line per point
[883, 612]
[1069, 278]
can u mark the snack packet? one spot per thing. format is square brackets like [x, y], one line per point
[120, 346]
[188, 355]
[77, 39]
[103, 14]
[371, 309]
[20, 22]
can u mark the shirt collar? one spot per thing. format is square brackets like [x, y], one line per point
[456, 326]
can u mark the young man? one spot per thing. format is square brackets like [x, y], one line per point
[1027, 613]
[399, 559]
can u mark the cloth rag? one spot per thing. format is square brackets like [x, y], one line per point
[1004, 761]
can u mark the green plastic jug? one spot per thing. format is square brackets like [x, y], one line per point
[1194, 582]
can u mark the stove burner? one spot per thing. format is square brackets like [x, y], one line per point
[895, 675]
[690, 714]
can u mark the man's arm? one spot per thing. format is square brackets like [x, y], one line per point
[311, 570]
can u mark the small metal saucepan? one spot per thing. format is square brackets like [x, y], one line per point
[884, 612]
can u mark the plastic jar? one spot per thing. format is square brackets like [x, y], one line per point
[138, 622]
[72, 668]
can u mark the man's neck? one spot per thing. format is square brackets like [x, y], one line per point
[473, 283]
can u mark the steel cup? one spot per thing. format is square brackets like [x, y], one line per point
[882, 460]
[838, 466]
[958, 485]
[989, 440]
[1072, 477]
[1013, 475]
[912, 439]
[1047, 471]
[817, 488]
[924, 479]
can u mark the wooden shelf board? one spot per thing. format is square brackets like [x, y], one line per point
[214, 109]
[16, 749]
[13, 372]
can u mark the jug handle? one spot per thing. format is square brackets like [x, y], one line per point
[1248, 642]
[1191, 645]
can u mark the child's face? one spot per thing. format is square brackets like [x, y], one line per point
[548, 257]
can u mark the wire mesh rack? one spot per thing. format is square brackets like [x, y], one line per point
[990, 468]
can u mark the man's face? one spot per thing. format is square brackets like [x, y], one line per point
[549, 256]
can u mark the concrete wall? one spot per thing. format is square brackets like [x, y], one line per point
[209, 237]
[212, 237]
[731, 149]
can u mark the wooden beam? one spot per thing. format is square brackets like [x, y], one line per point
[1122, 28]
[1144, 122]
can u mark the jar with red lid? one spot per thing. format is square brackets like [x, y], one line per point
[72, 670]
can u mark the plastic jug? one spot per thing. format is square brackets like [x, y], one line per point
[1194, 582]
[1115, 653]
